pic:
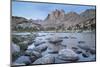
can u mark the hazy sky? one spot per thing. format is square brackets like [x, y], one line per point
[31, 10]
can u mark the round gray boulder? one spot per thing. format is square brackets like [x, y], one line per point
[55, 40]
[23, 60]
[68, 55]
[47, 59]
[15, 48]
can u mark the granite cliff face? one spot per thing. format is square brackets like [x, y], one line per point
[54, 19]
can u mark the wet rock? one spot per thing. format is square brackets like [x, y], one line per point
[15, 48]
[37, 54]
[32, 53]
[55, 39]
[48, 39]
[92, 50]
[31, 46]
[54, 48]
[47, 59]
[42, 47]
[73, 37]
[15, 55]
[84, 47]
[33, 58]
[85, 54]
[28, 52]
[78, 51]
[38, 61]
[53, 52]
[37, 43]
[54, 44]
[15, 64]
[74, 48]
[88, 48]
[23, 60]
[42, 35]
[66, 37]
[57, 60]
[23, 40]
[81, 42]
[68, 55]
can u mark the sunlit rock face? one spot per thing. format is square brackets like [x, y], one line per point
[55, 15]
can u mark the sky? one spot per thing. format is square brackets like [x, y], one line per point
[33, 10]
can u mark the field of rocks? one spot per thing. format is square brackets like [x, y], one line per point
[51, 48]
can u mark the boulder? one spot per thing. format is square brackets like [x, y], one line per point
[52, 48]
[16, 51]
[73, 37]
[68, 55]
[81, 42]
[32, 53]
[37, 54]
[15, 48]
[55, 44]
[42, 47]
[47, 59]
[39, 42]
[65, 37]
[89, 48]
[31, 46]
[38, 61]
[23, 40]
[92, 50]
[77, 50]
[57, 60]
[55, 40]
[23, 60]
[85, 54]
[84, 47]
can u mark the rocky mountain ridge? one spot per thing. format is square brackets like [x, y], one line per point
[58, 20]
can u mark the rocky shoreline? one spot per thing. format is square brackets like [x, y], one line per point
[51, 48]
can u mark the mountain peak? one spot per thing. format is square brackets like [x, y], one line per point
[57, 14]
[72, 14]
[89, 13]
